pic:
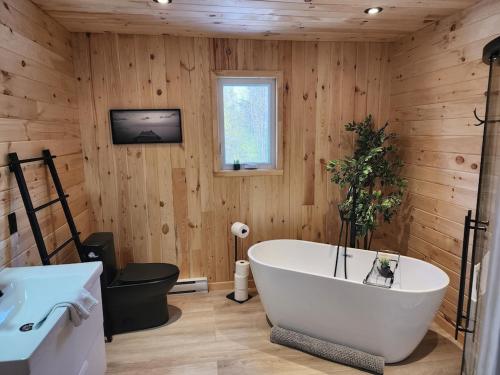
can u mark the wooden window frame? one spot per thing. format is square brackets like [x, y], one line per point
[217, 149]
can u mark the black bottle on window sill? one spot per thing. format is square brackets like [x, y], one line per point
[236, 165]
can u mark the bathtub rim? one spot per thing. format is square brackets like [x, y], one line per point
[406, 291]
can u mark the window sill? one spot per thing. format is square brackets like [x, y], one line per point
[248, 172]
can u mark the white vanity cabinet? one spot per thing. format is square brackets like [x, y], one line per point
[57, 347]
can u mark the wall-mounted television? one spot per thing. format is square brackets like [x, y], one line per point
[132, 126]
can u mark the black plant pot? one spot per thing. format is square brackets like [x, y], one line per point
[386, 272]
[236, 167]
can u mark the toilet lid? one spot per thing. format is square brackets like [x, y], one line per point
[144, 272]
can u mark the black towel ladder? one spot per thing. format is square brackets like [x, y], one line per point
[15, 166]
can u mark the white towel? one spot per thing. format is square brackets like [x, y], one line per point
[79, 306]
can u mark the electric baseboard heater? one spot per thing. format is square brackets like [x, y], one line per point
[194, 285]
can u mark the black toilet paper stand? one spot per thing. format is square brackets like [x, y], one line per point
[231, 295]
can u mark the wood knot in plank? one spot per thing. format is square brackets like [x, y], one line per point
[165, 229]
[187, 68]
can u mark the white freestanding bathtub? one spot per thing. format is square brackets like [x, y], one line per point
[297, 288]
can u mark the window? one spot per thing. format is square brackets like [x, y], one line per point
[247, 125]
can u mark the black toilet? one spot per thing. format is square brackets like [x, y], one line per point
[135, 297]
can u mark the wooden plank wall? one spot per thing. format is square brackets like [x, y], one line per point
[38, 109]
[162, 201]
[438, 79]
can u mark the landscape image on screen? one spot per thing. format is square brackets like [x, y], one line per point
[146, 126]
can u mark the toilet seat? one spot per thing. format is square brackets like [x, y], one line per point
[137, 273]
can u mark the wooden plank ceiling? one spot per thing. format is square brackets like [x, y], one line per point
[331, 20]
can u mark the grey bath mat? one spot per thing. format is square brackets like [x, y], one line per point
[332, 352]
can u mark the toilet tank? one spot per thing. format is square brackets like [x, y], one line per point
[100, 246]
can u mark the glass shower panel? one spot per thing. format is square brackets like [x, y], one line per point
[488, 185]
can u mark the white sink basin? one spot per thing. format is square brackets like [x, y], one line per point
[57, 346]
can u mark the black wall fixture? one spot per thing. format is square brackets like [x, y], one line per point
[12, 223]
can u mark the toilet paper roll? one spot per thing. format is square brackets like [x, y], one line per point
[240, 295]
[240, 282]
[242, 267]
[240, 230]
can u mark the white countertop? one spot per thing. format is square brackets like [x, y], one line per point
[28, 294]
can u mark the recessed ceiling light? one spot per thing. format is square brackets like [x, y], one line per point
[374, 10]
[163, 1]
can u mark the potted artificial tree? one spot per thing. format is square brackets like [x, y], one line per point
[372, 177]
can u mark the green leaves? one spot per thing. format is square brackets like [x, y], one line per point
[373, 171]
[385, 262]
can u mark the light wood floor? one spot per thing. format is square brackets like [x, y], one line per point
[213, 335]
